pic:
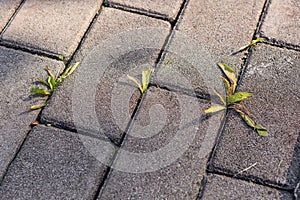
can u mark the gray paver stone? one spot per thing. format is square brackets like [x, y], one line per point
[18, 71]
[7, 9]
[107, 78]
[168, 9]
[222, 27]
[273, 78]
[205, 36]
[164, 154]
[52, 26]
[221, 187]
[52, 164]
[282, 21]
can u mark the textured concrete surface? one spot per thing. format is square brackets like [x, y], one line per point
[114, 76]
[159, 145]
[18, 71]
[282, 21]
[169, 150]
[221, 187]
[167, 9]
[273, 78]
[52, 163]
[52, 26]
[211, 23]
[7, 9]
[208, 39]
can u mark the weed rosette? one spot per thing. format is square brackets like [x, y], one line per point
[123, 123]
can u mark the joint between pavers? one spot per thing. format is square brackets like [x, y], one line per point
[280, 43]
[253, 179]
[31, 50]
[82, 40]
[202, 188]
[139, 11]
[261, 19]
[14, 157]
[180, 14]
[11, 18]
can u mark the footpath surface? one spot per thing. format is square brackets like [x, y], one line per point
[99, 138]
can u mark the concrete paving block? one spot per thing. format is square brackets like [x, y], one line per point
[222, 27]
[115, 95]
[273, 78]
[52, 164]
[208, 32]
[7, 9]
[164, 154]
[18, 71]
[168, 9]
[52, 26]
[282, 21]
[221, 187]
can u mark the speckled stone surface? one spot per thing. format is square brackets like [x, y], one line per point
[18, 71]
[52, 164]
[165, 152]
[282, 21]
[273, 78]
[221, 187]
[7, 9]
[203, 38]
[52, 26]
[221, 26]
[110, 79]
[167, 9]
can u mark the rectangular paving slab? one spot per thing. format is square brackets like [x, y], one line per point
[18, 73]
[273, 78]
[207, 33]
[282, 21]
[52, 26]
[164, 154]
[7, 9]
[166, 9]
[99, 97]
[52, 164]
[221, 187]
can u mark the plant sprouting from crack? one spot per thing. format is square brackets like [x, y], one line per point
[233, 99]
[51, 84]
[250, 45]
[146, 75]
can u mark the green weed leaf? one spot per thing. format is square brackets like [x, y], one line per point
[262, 131]
[35, 107]
[51, 83]
[251, 44]
[247, 119]
[214, 109]
[230, 74]
[227, 85]
[39, 91]
[221, 97]
[50, 72]
[70, 70]
[146, 75]
[43, 82]
[136, 82]
[237, 97]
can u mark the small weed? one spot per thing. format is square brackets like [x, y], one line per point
[61, 57]
[146, 75]
[51, 84]
[233, 99]
[251, 44]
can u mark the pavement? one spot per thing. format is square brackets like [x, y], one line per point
[100, 138]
